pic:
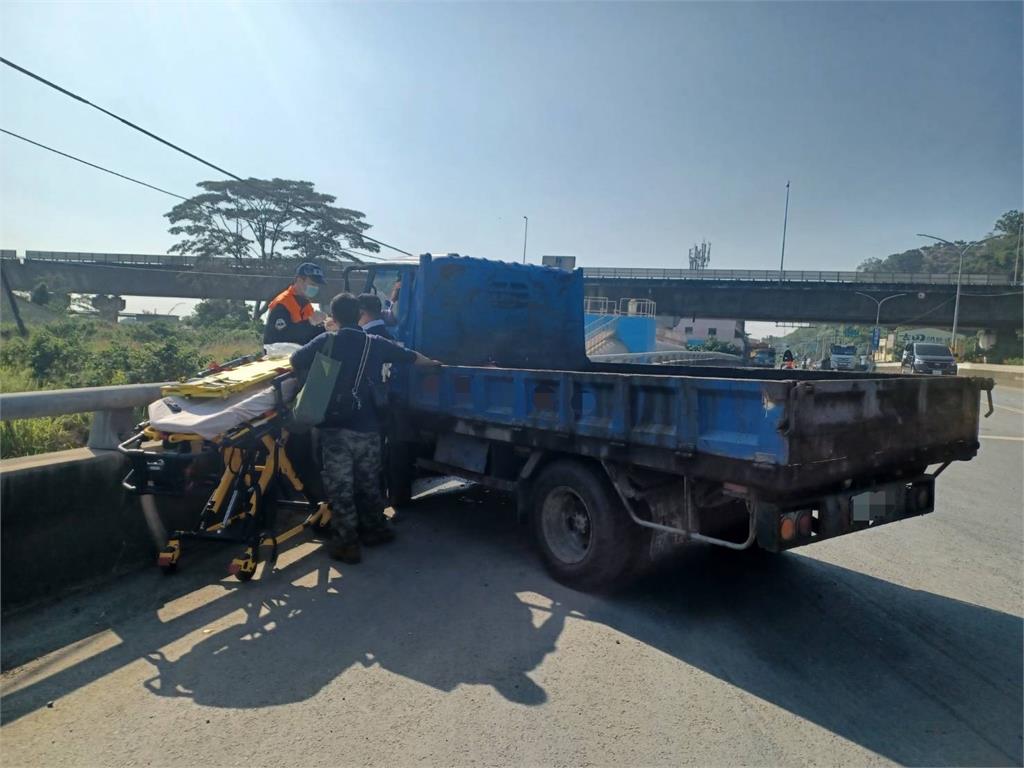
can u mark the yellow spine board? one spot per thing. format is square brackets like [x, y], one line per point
[226, 383]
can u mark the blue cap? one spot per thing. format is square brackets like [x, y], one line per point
[312, 271]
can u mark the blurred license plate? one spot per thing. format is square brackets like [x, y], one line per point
[936, 373]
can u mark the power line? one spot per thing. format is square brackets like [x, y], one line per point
[91, 165]
[142, 183]
[163, 141]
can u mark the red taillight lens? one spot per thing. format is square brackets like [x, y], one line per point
[787, 528]
[805, 524]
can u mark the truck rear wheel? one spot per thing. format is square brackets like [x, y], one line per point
[585, 536]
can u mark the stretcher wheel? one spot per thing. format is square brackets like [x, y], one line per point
[167, 559]
[243, 567]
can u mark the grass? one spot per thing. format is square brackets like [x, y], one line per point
[76, 352]
[27, 437]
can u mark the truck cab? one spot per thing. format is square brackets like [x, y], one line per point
[844, 357]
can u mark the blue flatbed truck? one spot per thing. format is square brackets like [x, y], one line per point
[612, 463]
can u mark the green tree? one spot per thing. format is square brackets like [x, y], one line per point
[996, 255]
[267, 219]
[715, 345]
[40, 295]
[222, 313]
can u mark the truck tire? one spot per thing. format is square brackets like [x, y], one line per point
[398, 472]
[585, 537]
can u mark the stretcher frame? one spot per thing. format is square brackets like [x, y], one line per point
[255, 462]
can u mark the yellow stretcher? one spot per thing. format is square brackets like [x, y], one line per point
[229, 378]
[257, 478]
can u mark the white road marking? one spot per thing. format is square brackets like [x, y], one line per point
[1001, 437]
[1009, 408]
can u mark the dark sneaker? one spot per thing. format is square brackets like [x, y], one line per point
[377, 536]
[346, 552]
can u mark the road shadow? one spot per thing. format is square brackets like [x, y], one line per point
[460, 599]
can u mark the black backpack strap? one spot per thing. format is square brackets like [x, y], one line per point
[359, 373]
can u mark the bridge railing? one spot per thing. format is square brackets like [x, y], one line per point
[667, 356]
[592, 273]
[112, 408]
[799, 276]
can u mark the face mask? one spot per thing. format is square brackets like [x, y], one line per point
[312, 290]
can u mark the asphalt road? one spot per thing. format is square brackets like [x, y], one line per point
[452, 646]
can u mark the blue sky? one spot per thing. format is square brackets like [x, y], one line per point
[625, 132]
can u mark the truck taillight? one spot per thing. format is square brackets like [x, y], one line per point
[787, 527]
[921, 498]
[805, 524]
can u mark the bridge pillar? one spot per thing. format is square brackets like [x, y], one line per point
[107, 306]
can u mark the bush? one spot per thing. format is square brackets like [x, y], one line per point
[83, 352]
[221, 313]
[40, 295]
[31, 436]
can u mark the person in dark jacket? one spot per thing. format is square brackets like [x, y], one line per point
[291, 317]
[350, 432]
[370, 319]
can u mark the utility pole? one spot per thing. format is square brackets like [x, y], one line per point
[22, 331]
[785, 221]
[878, 316]
[959, 278]
[526, 229]
[1016, 261]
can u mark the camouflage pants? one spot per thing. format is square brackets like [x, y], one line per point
[351, 473]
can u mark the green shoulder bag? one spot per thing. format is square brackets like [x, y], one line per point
[315, 396]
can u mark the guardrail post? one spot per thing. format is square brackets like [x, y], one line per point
[109, 428]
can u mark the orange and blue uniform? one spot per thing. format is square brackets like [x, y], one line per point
[288, 319]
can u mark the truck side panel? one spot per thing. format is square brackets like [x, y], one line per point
[730, 418]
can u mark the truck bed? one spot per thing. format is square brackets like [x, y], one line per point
[783, 432]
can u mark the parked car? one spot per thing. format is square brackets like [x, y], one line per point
[933, 359]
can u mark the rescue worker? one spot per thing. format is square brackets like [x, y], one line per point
[350, 433]
[370, 319]
[291, 317]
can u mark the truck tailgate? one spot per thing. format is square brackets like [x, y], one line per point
[866, 424]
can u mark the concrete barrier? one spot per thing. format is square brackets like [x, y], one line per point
[1003, 375]
[67, 522]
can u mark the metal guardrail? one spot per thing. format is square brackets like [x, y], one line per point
[278, 266]
[111, 407]
[796, 276]
[665, 357]
[590, 273]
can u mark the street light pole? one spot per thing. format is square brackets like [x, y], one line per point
[959, 277]
[785, 221]
[526, 229]
[1016, 261]
[878, 316]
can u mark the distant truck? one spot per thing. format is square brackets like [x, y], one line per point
[844, 357]
[613, 464]
[764, 358]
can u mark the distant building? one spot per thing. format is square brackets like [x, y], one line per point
[560, 262]
[146, 317]
[696, 332]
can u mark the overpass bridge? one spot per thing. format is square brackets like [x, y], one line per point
[988, 301]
